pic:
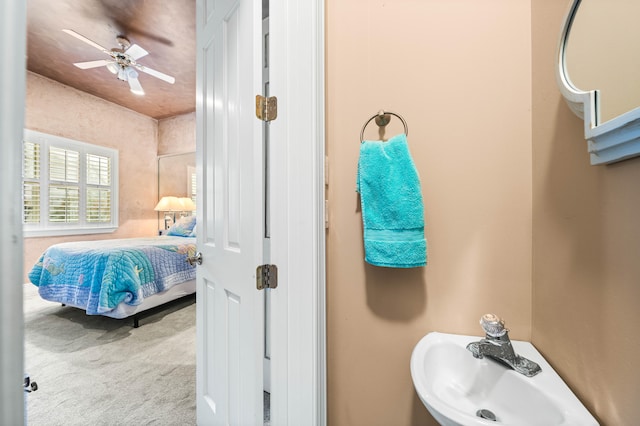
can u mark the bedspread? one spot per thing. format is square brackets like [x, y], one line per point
[98, 275]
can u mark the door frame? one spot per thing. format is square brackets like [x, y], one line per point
[12, 86]
[297, 140]
[299, 247]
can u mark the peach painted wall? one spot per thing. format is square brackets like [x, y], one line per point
[586, 241]
[177, 134]
[63, 111]
[459, 72]
[176, 152]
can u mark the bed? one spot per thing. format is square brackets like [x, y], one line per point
[118, 278]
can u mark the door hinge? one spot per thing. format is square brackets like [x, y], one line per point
[266, 108]
[266, 277]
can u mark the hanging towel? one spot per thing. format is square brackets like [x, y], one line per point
[392, 207]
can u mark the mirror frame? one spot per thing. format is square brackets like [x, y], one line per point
[161, 223]
[614, 140]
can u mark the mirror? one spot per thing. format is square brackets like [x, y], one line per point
[598, 56]
[595, 74]
[176, 177]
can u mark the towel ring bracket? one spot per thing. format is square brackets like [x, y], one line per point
[383, 118]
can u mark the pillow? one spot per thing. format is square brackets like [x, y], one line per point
[183, 227]
[193, 232]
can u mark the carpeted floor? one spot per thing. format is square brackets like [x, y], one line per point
[94, 370]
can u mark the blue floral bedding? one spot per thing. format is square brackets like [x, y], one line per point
[98, 275]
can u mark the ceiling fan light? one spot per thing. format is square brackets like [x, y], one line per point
[122, 75]
[131, 73]
[113, 67]
[134, 84]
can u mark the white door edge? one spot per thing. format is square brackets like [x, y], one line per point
[298, 356]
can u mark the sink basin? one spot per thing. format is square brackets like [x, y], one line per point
[455, 386]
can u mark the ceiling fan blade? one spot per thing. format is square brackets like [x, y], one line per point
[136, 52]
[135, 86]
[91, 64]
[156, 74]
[134, 83]
[86, 40]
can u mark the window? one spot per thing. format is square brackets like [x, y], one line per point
[68, 187]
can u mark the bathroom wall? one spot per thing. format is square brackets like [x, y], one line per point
[63, 111]
[459, 72]
[586, 241]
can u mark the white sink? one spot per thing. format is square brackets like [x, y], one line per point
[454, 386]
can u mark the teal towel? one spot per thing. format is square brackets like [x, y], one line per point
[392, 207]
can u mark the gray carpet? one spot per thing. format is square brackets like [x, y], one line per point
[94, 370]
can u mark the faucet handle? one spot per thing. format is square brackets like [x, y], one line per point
[493, 325]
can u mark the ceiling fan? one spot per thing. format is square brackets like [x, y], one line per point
[122, 62]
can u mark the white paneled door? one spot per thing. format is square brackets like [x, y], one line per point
[230, 310]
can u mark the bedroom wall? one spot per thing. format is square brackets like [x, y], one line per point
[459, 72]
[177, 134]
[586, 228]
[61, 110]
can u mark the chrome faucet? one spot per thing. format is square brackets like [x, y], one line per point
[497, 346]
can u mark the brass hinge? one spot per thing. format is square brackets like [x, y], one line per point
[266, 277]
[266, 108]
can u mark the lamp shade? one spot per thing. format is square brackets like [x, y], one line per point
[187, 204]
[169, 204]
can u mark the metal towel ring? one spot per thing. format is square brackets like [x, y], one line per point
[382, 119]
